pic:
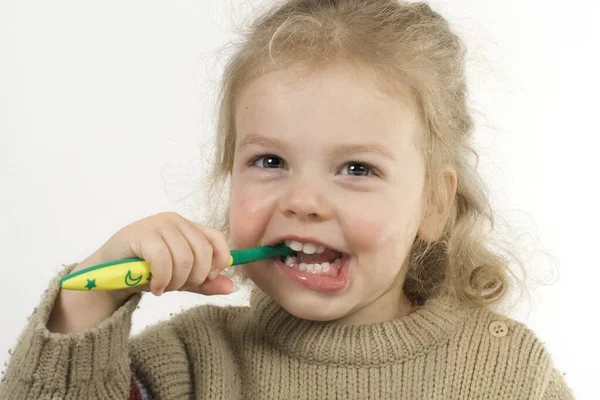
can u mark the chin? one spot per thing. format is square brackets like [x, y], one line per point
[315, 310]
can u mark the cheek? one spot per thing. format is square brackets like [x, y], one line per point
[385, 229]
[248, 215]
[367, 221]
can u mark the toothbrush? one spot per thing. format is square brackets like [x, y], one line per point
[131, 272]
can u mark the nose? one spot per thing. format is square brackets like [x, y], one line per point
[306, 200]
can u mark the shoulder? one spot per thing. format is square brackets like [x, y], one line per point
[225, 326]
[187, 337]
[210, 318]
[499, 336]
[193, 324]
[505, 353]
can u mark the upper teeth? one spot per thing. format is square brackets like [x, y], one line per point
[308, 248]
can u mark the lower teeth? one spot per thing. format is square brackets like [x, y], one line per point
[312, 268]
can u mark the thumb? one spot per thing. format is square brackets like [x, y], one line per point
[220, 285]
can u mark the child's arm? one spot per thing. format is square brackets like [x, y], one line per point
[76, 345]
[93, 363]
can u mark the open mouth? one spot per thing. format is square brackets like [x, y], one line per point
[314, 259]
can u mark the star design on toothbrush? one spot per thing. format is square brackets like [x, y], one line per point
[91, 283]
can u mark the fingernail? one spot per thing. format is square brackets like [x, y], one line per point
[213, 274]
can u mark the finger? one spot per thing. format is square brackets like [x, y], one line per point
[154, 250]
[220, 285]
[181, 254]
[203, 254]
[218, 241]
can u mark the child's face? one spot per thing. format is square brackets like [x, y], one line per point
[366, 204]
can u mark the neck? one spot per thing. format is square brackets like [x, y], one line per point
[390, 306]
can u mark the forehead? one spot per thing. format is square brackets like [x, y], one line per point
[332, 104]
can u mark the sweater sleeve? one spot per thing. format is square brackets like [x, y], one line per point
[557, 388]
[92, 364]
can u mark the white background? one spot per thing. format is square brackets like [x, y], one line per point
[106, 109]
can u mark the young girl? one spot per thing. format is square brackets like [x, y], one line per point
[344, 131]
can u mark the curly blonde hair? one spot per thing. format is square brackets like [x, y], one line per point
[401, 42]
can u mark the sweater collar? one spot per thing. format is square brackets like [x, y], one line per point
[374, 344]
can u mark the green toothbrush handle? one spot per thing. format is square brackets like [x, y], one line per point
[244, 256]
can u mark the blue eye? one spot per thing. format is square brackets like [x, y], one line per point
[271, 161]
[359, 167]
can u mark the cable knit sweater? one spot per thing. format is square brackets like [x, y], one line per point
[263, 352]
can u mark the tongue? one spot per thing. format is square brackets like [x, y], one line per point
[327, 256]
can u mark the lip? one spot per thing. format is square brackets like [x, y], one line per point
[306, 240]
[314, 281]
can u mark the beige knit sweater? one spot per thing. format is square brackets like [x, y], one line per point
[263, 352]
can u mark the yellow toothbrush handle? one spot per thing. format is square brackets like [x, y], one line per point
[119, 276]
[112, 277]
[130, 272]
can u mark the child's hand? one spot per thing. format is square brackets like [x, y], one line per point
[182, 255]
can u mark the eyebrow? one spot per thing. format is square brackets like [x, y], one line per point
[343, 148]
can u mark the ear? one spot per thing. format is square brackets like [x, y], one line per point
[437, 211]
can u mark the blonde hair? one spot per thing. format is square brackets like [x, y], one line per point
[401, 43]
